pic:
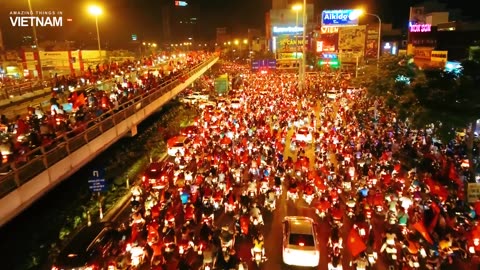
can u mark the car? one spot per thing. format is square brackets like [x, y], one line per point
[235, 103]
[199, 95]
[90, 248]
[300, 242]
[206, 104]
[303, 134]
[332, 94]
[189, 100]
[178, 144]
[157, 176]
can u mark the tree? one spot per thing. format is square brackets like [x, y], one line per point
[391, 80]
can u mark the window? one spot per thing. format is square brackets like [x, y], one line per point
[301, 240]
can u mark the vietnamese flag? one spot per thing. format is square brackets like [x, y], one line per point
[79, 101]
[436, 188]
[436, 212]
[355, 243]
[453, 175]
[420, 227]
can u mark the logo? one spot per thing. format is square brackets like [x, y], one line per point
[36, 18]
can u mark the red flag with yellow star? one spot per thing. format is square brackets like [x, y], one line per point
[355, 243]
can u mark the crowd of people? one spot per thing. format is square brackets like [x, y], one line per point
[72, 109]
[355, 161]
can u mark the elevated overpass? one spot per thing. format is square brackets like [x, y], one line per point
[23, 185]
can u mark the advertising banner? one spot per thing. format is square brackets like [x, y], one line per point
[288, 44]
[417, 15]
[424, 53]
[339, 18]
[328, 43]
[352, 39]
[371, 42]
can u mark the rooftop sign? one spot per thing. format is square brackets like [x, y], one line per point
[339, 18]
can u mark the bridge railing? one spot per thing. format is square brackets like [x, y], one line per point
[38, 160]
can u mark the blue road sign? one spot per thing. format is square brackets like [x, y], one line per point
[96, 182]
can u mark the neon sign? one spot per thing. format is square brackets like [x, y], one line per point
[420, 28]
[289, 29]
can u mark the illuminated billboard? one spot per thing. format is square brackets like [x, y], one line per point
[339, 18]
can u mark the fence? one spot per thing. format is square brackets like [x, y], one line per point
[40, 159]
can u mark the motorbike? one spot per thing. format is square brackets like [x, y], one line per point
[321, 213]
[207, 219]
[208, 260]
[189, 213]
[372, 257]
[308, 198]
[217, 203]
[278, 191]
[137, 255]
[351, 208]
[230, 207]
[168, 245]
[183, 247]
[207, 201]
[243, 225]
[413, 261]
[335, 263]
[227, 241]
[392, 218]
[256, 221]
[292, 195]
[270, 205]
[258, 257]
[264, 188]
[391, 251]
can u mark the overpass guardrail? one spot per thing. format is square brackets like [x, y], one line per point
[14, 175]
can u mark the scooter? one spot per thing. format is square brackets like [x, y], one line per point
[258, 258]
[270, 205]
[308, 198]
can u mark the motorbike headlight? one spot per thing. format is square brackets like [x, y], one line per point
[471, 249]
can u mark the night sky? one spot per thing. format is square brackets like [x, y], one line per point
[122, 18]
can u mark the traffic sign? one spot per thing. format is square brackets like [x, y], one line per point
[97, 182]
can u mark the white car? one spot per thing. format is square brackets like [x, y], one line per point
[199, 95]
[303, 134]
[332, 94]
[300, 242]
[189, 100]
[178, 144]
[204, 104]
[236, 103]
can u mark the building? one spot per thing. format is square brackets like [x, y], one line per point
[59, 62]
[284, 31]
[434, 39]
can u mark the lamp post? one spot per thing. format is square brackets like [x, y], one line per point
[296, 8]
[96, 11]
[35, 40]
[304, 23]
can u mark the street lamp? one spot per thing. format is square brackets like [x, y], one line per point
[35, 40]
[360, 12]
[236, 41]
[296, 8]
[96, 11]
